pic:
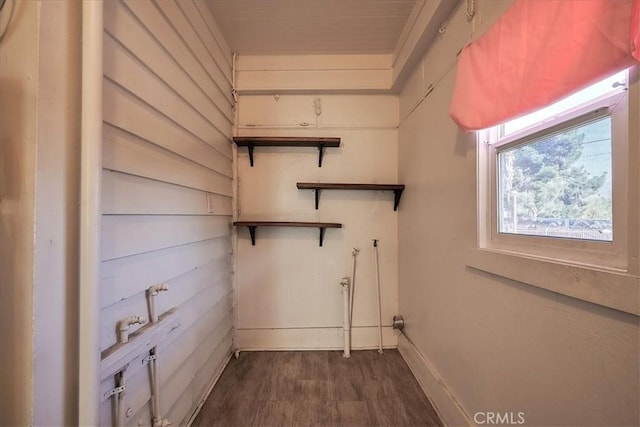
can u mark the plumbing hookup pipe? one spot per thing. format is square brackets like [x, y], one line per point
[346, 326]
[121, 381]
[152, 292]
[124, 324]
[353, 285]
[157, 420]
[348, 292]
[375, 254]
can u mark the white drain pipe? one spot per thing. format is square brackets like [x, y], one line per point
[157, 420]
[119, 398]
[346, 326]
[375, 253]
[353, 285]
[348, 292]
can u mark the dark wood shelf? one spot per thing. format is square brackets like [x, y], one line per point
[317, 186]
[252, 225]
[261, 141]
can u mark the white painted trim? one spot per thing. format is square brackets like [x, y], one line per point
[603, 273]
[234, 245]
[346, 90]
[422, 28]
[331, 338]
[208, 392]
[354, 126]
[348, 73]
[313, 74]
[313, 81]
[607, 287]
[235, 207]
[90, 214]
[406, 31]
[606, 254]
[448, 408]
[313, 62]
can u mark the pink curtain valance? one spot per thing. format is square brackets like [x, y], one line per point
[539, 52]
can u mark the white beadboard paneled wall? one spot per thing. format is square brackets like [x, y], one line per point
[167, 187]
[287, 286]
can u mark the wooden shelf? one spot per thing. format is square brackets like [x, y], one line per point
[317, 186]
[320, 143]
[252, 225]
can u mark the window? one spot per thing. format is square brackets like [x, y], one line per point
[556, 178]
[558, 204]
[559, 185]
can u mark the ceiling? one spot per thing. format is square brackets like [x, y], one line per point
[269, 27]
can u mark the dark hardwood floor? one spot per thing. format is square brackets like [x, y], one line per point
[317, 388]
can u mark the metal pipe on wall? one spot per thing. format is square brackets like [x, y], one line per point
[235, 208]
[90, 214]
[353, 284]
[346, 326]
[377, 265]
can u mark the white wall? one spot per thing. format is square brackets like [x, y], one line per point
[288, 287]
[39, 135]
[494, 344]
[18, 88]
[168, 117]
[313, 73]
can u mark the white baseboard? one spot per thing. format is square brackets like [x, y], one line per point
[313, 339]
[209, 390]
[446, 405]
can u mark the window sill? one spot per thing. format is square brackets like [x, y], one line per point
[610, 288]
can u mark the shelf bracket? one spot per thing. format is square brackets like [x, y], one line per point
[396, 198]
[251, 225]
[250, 149]
[252, 233]
[320, 155]
[317, 191]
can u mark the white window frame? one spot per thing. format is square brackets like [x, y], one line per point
[598, 271]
